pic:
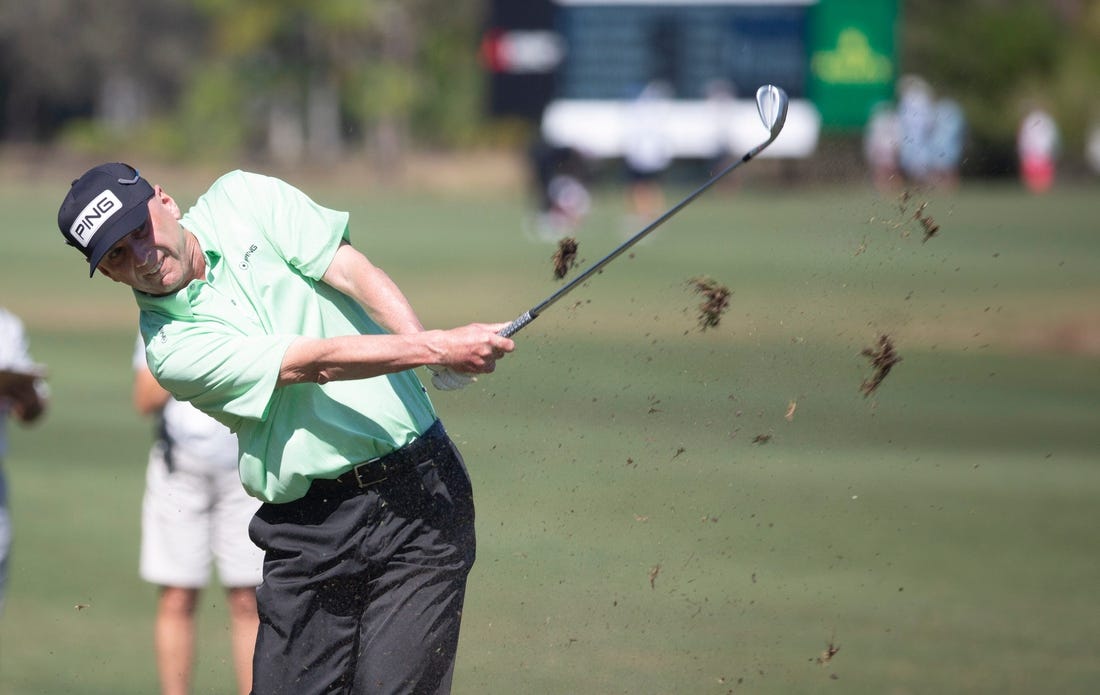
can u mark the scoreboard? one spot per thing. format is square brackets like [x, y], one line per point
[615, 48]
[575, 66]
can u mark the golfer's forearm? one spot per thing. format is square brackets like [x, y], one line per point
[351, 273]
[319, 360]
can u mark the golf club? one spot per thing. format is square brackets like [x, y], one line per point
[771, 104]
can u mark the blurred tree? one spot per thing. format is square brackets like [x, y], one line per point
[313, 73]
[288, 79]
[60, 58]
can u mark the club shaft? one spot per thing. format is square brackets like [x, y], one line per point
[533, 313]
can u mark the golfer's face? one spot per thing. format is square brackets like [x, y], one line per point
[153, 258]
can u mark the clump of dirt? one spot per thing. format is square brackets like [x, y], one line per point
[827, 655]
[565, 257]
[926, 222]
[716, 299]
[928, 225]
[883, 357]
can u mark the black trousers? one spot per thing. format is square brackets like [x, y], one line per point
[363, 586]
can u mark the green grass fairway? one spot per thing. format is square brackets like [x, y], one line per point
[663, 510]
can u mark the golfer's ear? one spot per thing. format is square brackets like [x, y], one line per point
[167, 201]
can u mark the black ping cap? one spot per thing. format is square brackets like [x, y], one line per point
[105, 204]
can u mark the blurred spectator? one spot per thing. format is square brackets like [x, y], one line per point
[948, 136]
[646, 152]
[916, 115]
[1038, 143]
[1092, 147]
[195, 514]
[23, 394]
[881, 140]
[559, 176]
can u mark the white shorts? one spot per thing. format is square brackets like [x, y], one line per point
[191, 520]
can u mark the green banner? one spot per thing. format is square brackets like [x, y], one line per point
[853, 59]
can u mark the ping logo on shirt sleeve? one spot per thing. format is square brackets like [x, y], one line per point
[93, 216]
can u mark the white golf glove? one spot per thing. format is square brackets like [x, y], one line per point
[446, 379]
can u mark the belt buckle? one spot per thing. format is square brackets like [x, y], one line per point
[362, 481]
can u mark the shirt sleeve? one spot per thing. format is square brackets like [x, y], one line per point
[304, 233]
[229, 376]
[14, 353]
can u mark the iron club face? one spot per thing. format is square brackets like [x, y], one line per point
[771, 104]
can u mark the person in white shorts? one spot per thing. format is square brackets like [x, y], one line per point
[195, 514]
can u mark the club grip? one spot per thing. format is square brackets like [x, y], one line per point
[514, 327]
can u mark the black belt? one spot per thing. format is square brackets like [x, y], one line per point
[398, 461]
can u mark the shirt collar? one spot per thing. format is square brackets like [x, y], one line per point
[178, 304]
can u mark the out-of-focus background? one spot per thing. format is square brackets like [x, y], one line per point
[376, 85]
[663, 508]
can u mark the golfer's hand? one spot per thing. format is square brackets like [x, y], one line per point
[469, 350]
[25, 402]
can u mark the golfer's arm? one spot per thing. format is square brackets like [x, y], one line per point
[353, 274]
[320, 360]
[472, 348]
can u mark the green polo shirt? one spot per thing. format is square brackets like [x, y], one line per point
[219, 342]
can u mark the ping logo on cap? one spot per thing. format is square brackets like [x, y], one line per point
[93, 216]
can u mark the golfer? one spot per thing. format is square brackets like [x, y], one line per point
[256, 308]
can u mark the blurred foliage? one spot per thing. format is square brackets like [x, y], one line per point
[300, 79]
[210, 76]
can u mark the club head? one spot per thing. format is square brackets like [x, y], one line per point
[771, 102]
